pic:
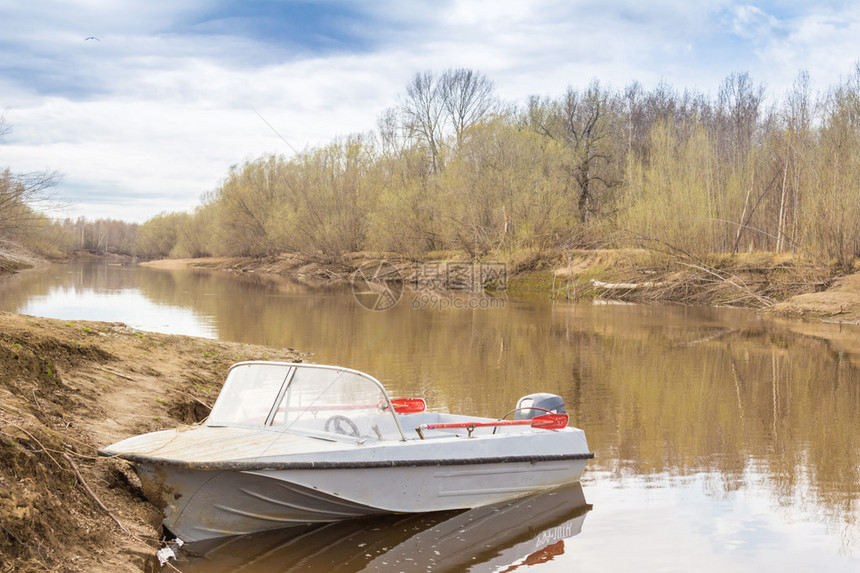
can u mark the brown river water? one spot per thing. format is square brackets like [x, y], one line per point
[724, 440]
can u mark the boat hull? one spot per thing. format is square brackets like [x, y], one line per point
[205, 503]
[495, 537]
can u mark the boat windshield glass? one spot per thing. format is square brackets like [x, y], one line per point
[248, 394]
[318, 400]
[336, 402]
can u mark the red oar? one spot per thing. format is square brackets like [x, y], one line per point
[546, 422]
[409, 405]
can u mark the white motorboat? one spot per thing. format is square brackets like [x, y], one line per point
[289, 443]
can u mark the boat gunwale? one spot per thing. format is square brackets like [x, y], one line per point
[253, 466]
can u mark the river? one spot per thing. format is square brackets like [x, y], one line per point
[724, 440]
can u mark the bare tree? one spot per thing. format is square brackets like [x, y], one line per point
[467, 96]
[797, 122]
[738, 109]
[585, 130]
[423, 109]
[539, 116]
[18, 194]
[435, 107]
[389, 128]
[834, 224]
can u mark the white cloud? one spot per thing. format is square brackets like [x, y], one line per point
[822, 39]
[751, 22]
[157, 109]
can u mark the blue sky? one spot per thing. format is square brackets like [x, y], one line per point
[152, 114]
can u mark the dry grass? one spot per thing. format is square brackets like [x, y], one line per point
[13, 258]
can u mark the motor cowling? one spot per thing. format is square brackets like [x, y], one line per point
[538, 404]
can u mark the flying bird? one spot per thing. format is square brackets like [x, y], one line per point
[92, 38]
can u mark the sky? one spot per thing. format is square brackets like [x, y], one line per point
[143, 106]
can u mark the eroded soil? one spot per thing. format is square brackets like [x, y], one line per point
[777, 283]
[839, 303]
[68, 388]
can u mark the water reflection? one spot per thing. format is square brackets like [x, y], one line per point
[663, 392]
[103, 293]
[501, 537]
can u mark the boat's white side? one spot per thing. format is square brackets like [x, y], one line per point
[302, 479]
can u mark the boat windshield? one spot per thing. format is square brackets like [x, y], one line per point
[319, 400]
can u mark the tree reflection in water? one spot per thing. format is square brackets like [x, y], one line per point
[732, 400]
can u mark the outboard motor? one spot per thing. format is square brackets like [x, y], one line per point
[534, 405]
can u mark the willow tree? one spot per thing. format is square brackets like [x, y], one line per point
[833, 210]
[583, 123]
[157, 237]
[193, 236]
[244, 207]
[671, 196]
[505, 190]
[326, 199]
[405, 214]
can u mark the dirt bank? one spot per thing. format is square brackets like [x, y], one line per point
[284, 264]
[839, 303]
[779, 284]
[67, 388]
[13, 258]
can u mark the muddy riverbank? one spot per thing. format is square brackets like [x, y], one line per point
[777, 284]
[68, 388]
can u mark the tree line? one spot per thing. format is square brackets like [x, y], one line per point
[453, 167]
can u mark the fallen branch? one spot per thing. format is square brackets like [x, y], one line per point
[115, 373]
[196, 399]
[624, 286]
[95, 498]
[44, 449]
[172, 566]
[764, 301]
